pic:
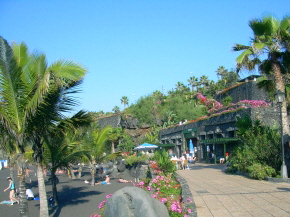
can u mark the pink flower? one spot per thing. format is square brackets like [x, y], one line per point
[109, 195]
[163, 200]
[149, 188]
[153, 195]
[189, 200]
[141, 183]
[189, 210]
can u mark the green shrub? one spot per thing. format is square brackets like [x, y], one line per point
[270, 171]
[163, 160]
[258, 171]
[131, 160]
[242, 159]
[227, 100]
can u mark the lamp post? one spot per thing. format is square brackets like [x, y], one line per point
[280, 98]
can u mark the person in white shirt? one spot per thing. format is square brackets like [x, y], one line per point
[174, 157]
[29, 194]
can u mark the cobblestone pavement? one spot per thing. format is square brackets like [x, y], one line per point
[218, 194]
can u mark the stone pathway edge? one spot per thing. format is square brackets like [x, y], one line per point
[185, 194]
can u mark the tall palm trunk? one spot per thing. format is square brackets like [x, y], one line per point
[11, 168]
[54, 181]
[93, 172]
[37, 155]
[80, 169]
[281, 86]
[72, 171]
[23, 206]
[285, 123]
[113, 147]
[43, 212]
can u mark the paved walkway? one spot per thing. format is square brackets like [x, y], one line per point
[218, 194]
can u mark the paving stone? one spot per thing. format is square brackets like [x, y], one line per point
[216, 193]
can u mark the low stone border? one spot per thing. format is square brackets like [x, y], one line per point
[270, 179]
[185, 194]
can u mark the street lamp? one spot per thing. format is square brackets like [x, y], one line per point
[280, 98]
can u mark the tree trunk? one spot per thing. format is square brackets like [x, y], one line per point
[23, 204]
[72, 171]
[11, 168]
[43, 212]
[113, 147]
[80, 171]
[93, 172]
[281, 86]
[54, 181]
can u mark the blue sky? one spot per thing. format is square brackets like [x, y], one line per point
[132, 48]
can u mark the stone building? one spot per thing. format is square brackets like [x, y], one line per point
[218, 134]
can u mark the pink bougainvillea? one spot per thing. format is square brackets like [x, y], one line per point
[254, 103]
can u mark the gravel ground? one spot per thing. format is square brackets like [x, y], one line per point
[77, 199]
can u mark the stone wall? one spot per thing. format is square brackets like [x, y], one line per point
[113, 121]
[246, 91]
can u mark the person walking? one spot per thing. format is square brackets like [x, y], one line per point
[12, 190]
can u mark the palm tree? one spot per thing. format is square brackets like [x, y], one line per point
[125, 101]
[26, 83]
[94, 141]
[221, 72]
[270, 39]
[116, 110]
[193, 82]
[61, 146]
[204, 81]
[114, 135]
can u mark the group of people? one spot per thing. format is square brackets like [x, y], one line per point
[107, 181]
[12, 194]
[184, 159]
[186, 156]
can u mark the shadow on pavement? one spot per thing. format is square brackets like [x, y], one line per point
[284, 189]
[198, 166]
[71, 196]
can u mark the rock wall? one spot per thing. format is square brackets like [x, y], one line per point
[246, 91]
[113, 121]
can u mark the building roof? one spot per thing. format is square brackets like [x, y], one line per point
[250, 78]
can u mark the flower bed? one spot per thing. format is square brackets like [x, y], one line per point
[168, 190]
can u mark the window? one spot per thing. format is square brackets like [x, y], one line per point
[231, 134]
[218, 135]
[210, 136]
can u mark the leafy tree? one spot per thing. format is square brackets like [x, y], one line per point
[125, 101]
[114, 135]
[26, 83]
[94, 141]
[126, 143]
[260, 144]
[204, 81]
[271, 40]
[193, 82]
[61, 146]
[221, 72]
[116, 110]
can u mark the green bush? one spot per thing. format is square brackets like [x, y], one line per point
[131, 160]
[242, 159]
[163, 160]
[227, 100]
[259, 144]
[270, 171]
[258, 171]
